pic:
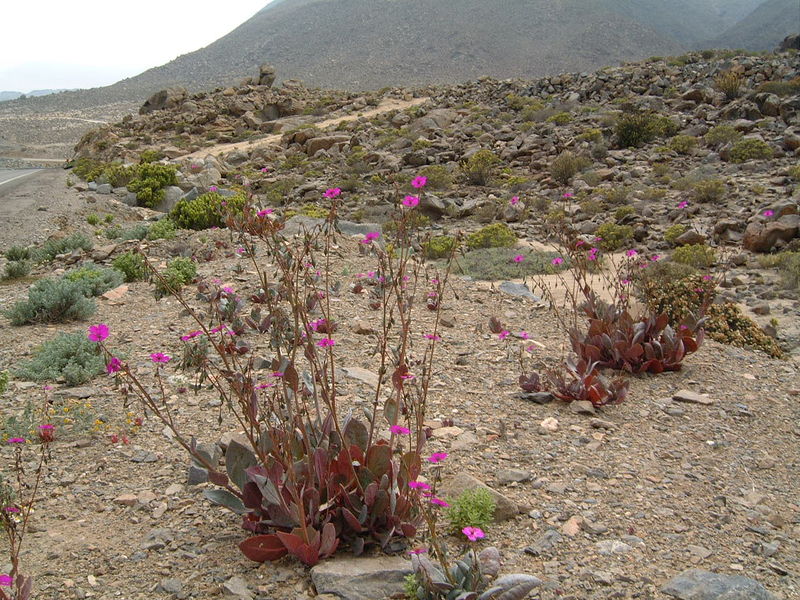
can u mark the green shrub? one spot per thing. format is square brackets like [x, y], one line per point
[635, 129]
[623, 211]
[92, 220]
[726, 324]
[561, 118]
[439, 178]
[750, 149]
[591, 135]
[137, 232]
[163, 229]
[566, 165]
[787, 263]
[17, 253]
[206, 211]
[497, 263]
[3, 382]
[150, 181]
[683, 144]
[440, 246]
[673, 232]
[52, 301]
[613, 236]
[496, 235]
[780, 88]
[708, 190]
[729, 83]
[53, 247]
[721, 135]
[698, 256]
[616, 195]
[131, 265]
[519, 103]
[17, 269]
[95, 281]
[473, 508]
[150, 156]
[479, 167]
[794, 172]
[70, 356]
[178, 273]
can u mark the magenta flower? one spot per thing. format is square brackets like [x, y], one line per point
[46, 427]
[399, 430]
[557, 260]
[418, 551]
[504, 334]
[212, 188]
[567, 195]
[332, 192]
[631, 252]
[190, 335]
[99, 332]
[408, 377]
[6, 580]
[265, 212]
[514, 201]
[113, 365]
[419, 182]
[433, 337]
[418, 485]
[11, 509]
[707, 278]
[410, 201]
[16, 440]
[593, 253]
[518, 258]
[371, 236]
[768, 213]
[655, 257]
[326, 343]
[160, 357]
[625, 281]
[439, 502]
[437, 457]
[473, 533]
[265, 169]
[683, 204]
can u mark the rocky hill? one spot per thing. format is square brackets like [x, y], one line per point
[763, 29]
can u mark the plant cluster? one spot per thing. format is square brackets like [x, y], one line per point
[708, 190]
[719, 135]
[206, 211]
[94, 280]
[673, 232]
[479, 167]
[730, 84]
[496, 235]
[501, 264]
[473, 508]
[613, 236]
[566, 165]
[132, 266]
[750, 149]
[52, 301]
[683, 144]
[180, 271]
[699, 256]
[637, 128]
[57, 246]
[439, 246]
[146, 179]
[68, 356]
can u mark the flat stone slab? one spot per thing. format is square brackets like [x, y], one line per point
[697, 584]
[356, 578]
[692, 397]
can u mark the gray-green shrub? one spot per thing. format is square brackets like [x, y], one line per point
[68, 355]
[52, 301]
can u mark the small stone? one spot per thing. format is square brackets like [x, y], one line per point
[550, 425]
[697, 584]
[538, 397]
[506, 476]
[573, 526]
[236, 587]
[447, 432]
[464, 441]
[126, 499]
[172, 490]
[699, 551]
[609, 547]
[170, 585]
[582, 407]
[363, 375]
[691, 397]
[519, 290]
[544, 543]
[145, 497]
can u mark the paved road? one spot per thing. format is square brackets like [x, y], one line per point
[11, 178]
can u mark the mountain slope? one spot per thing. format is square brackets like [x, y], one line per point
[764, 28]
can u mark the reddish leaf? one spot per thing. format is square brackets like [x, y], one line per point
[351, 520]
[329, 542]
[263, 548]
[308, 555]
[218, 478]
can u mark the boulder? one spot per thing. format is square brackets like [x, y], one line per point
[697, 584]
[358, 578]
[790, 42]
[266, 75]
[762, 237]
[168, 98]
[316, 144]
[172, 195]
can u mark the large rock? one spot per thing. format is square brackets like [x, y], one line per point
[266, 75]
[697, 584]
[169, 98]
[172, 195]
[458, 484]
[761, 237]
[316, 144]
[790, 42]
[355, 578]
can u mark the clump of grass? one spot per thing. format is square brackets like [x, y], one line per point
[479, 168]
[131, 265]
[54, 247]
[17, 269]
[566, 165]
[95, 281]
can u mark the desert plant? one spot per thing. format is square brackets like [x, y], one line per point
[473, 508]
[206, 211]
[725, 323]
[179, 272]
[479, 167]
[683, 144]
[720, 135]
[708, 190]
[131, 265]
[500, 263]
[150, 181]
[52, 301]
[613, 236]
[561, 118]
[581, 381]
[3, 382]
[566, 165]
[622, 212]
[68, 356]
[17, 269]
[440, 246]
[163, 229]
[673, 232]
[95, 281]
[750, 149]
[53, 247]
[780, 88]
[699, 256]
[92, 219]
[730, 84]
[635, 129]
[496, 235]
[15, 253]
[439, 178]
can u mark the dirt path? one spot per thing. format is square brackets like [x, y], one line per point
[383, 107]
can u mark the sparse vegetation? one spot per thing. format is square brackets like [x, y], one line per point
[479, 167]
[206, 211]
[68, 356]
[750, 149]
[496, 235]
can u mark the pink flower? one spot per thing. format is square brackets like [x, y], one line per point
[6, 580]
[473, 533]
[514, 201]
[265, 212]
[683, 204]
[190, 335]
[567, 195]
[504, 334]
[419, 182]
[418, 485]
[524, 335]
[593, 253]
[332, 192]
[437, 457]
[768, 213]
[265, 169]
[11, 509]
[439, 502]
[399, 430]
[433, 337]
[371, 236]
[625, 281]
[113, 365]
[410, 201]
[707, 278]
[655, 257]
[326, 343]
[212, 188]
[518, 258]
[418, 551]
[557, 260]
[160, 357]
[16, 440]
[97, 333]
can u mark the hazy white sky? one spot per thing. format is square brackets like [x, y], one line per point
[90, 43]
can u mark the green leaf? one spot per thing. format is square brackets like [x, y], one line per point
[226, 499]
[239, 458]
[356, 434]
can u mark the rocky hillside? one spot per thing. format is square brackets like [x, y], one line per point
[763, 29]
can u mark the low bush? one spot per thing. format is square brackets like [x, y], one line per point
[750, 149]
[150, 181]
[496, 235]
[178, 273]
[708, 190]
[623, 212]
[163, 229]
[95, 281]
[726, 324]
[613, 236]
[698, 256]
[206, 211]
[53, 247]
[473, 508]
[17, 269]
[634, 129]
[721, 135]
[480, 167]
[683, 144]
[52, 301]
[561, 118]
[439, 178]
[673, 232]
[780, 88]
[566, 165]
[440, 246]
[498, 263]
[70, 356]
[15, 253]
[730, 84]
[93, 219]
[131, 265]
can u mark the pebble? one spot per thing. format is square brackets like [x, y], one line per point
[507, 476]
[609, 547]
[549, 425]
[692, 397]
